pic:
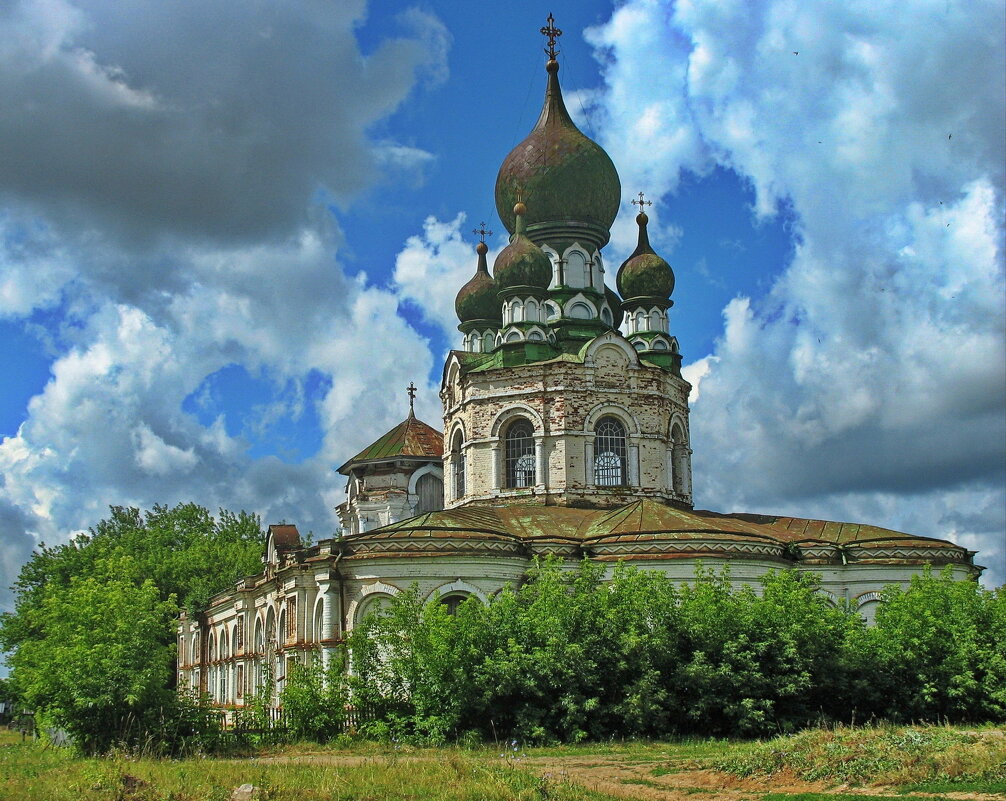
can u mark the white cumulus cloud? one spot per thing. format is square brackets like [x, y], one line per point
[868, 384]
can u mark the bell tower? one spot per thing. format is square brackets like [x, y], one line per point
[549, 403]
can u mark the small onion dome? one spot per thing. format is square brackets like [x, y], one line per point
[522, 263]
[566, 176]
[477, 299]
[644, 273]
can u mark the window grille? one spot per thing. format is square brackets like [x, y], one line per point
[239, 635]
[452, 602]
[520, 455]
[458, 462]
[609, 453]
[239, 684]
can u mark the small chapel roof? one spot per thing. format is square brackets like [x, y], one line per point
[410, 438]
[285, 536]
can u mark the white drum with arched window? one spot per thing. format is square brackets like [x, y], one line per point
[610, 453]
[520, 454]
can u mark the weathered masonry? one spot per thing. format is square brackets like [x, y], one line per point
[565, 432]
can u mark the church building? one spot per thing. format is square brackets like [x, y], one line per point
[565, 433]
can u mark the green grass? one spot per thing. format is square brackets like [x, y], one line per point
[902, 756]
[32, 772]
[912, 759]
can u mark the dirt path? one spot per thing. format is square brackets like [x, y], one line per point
[647, 781]
[643, 779]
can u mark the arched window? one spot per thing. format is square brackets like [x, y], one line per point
[679, 459]
[580, 311]
[609, 453]
[577, 269]
[520, 454]
[488, 341]
[452, 602]
[430, 490]
[458, 465]
[606, 316]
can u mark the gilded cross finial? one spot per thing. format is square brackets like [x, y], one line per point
[552, 33]
[641, 202]
[481, 231]
[411, 389]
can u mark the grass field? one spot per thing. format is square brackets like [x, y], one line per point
[833, 765]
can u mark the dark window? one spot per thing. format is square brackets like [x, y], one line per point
[452, 602]
[520, 454]
[458, 462]
[430, 490]
[609, 453]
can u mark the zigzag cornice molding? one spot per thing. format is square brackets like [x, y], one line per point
[436, 546]
[689, 546]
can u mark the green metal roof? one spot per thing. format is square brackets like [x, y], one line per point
[643, 518]
[412, 437]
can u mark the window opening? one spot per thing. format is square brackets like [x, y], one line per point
[520, 455]
[430, 490]
[610, 453]
[452, 602]
[458, 463]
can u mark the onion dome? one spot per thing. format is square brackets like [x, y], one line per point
[644, 274]
[477, 299]
[522, 263]
[567, 177]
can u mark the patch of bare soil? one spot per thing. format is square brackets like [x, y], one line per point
[646, 781]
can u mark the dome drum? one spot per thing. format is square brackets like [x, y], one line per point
[562, 234]
[645, 302]
[523, 291]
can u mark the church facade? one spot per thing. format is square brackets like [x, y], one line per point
[565, 432]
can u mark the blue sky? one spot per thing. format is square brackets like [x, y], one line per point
[231, 234]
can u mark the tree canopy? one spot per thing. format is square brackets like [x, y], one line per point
[90, 642]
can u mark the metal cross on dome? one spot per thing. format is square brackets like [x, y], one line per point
[482, 232]
[552, 33]
[411, 389]
[641, 202]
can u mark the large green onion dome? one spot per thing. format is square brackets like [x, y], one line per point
[644, 274]
[521, 264]
[564, 176]
[477, 299]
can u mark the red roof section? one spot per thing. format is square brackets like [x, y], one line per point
[286, 536]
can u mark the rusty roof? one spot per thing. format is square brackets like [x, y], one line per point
[641, 519]
[412, 437]
[285, 536]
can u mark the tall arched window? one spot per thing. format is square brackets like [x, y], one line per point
[609, 453]
[679, 459]
[430, 492]
[520, 454]
[458, 465]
